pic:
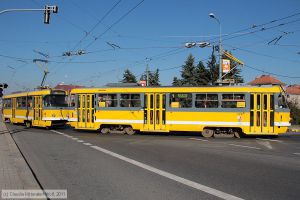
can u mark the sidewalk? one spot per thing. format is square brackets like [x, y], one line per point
[14, 172]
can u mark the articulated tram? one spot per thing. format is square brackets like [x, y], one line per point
[230, 110]
[41, 108]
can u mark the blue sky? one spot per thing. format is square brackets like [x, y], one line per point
[154, 33]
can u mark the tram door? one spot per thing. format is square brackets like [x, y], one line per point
[86, 110]
[262, 113]
[154, 112]
[37, 110]
[14, 105]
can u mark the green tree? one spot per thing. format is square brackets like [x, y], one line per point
[153, 77]
[213, 69]
[188, 72]
[128, 77]
[202, 74]
[295, 111]
[176, 82]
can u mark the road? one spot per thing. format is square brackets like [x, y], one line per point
[97, 166]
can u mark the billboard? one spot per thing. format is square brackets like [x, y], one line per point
[225, 65]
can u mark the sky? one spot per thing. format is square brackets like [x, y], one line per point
[115, 35]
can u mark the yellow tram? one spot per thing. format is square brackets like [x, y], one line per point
[41, 108]
[231, 110]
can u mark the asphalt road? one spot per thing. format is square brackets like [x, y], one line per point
[95, 166]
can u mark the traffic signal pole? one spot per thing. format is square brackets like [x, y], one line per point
[47, 10]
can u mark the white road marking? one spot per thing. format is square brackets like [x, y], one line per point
[268, 140]
[88, 144]
[244, 146]
[168, 175]
[297, 154]
[80, 141]
[74, 138]
[58, 132]
[198, 139]
[267, 144]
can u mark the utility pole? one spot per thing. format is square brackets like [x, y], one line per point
[212, 15]
[47, 10]
[147, 75]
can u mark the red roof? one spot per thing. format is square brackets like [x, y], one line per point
[266, 80]
[67, 88]
[293, 89]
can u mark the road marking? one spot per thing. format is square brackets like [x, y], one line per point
[80, 141]
[297, 154]
[198, 139]
[168, 175]
[74, 138]
[88, 144]
[58, 132]
[268, 140]
[244, 146]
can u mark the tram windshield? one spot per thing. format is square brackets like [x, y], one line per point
[282, 103]
[55, 101]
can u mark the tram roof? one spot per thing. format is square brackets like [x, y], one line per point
[272, 89]
[31, 93]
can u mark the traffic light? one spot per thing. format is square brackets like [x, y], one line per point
[4, 85]
[47, 15]
[48, 10]
[1, 92]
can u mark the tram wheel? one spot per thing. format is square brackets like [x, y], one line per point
[237, 134]
[207, 133]
[129, 130]
[28, 124]
[105, 130]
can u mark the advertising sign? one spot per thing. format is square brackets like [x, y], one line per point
[225, 65]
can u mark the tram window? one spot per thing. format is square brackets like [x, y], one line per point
[233, 101]
[29, 102]
[206, 101]
[251, 101]
[258, 101]
[183, 99]
[21, 102]
[109, 100]
[7, 103]
[272, 102]
[130, 100]
[72, 100]
[282, 101]
[55, 100]
[265, 102]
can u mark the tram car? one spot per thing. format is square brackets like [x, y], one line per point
[41, 108]
[229, 110]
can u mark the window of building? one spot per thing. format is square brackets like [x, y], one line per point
[130, 100]
[107, 100]
[233, 101]
[181, 100]
[206, 101]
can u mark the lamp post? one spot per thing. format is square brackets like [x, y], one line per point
[212, 15]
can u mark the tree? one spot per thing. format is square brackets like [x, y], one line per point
[201, 74]
[128, 77]
[176, 82]
[213, 68]
[153, 77]
[295, 111]
[188, 72]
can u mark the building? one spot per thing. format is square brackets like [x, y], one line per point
[266, 80]
[293, 92]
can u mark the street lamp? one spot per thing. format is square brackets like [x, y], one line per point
[212, 15]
